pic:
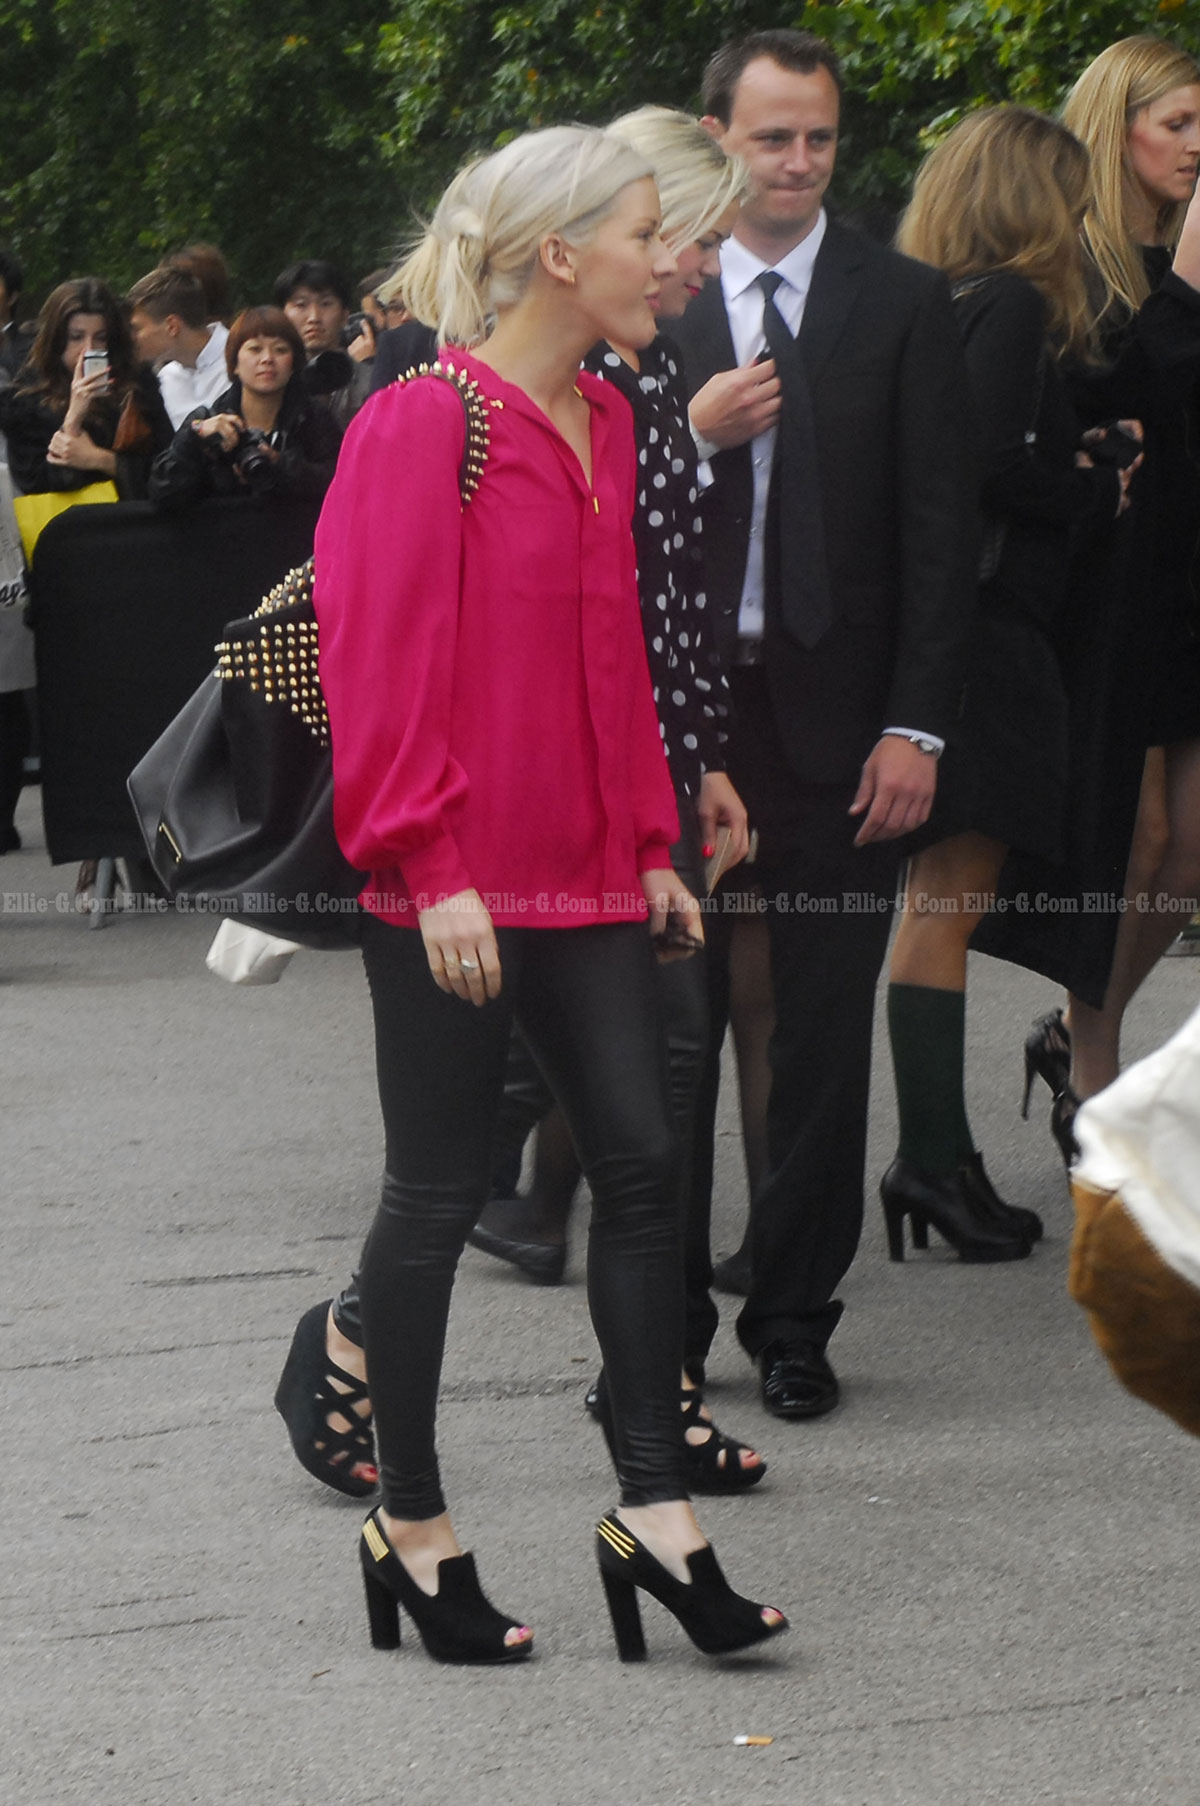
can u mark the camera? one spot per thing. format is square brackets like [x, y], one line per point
[253, 459]
[353, 329]
[1118, 446]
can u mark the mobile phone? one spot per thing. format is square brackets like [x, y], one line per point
[1118, 447]
[94, 362]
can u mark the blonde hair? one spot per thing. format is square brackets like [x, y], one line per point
[1100, 109]
[1006, 190]
[697, 180]
[480, 249]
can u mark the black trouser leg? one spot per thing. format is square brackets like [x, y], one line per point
[830, 914]
[586, 1003]
[15, 738]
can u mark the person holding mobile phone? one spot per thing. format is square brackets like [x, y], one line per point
[81, 409]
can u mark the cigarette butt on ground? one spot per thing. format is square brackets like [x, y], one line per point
[754, 1743]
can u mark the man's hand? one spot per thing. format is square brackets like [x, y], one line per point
[719, 806]
[736, 405]
[896, 791]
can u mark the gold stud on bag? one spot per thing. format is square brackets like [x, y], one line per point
[235, 799]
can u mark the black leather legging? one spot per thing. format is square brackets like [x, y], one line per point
[586, 1002]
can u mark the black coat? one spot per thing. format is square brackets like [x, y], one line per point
[1005, 772]
[29, 421]
[897, 476]
[305, 438]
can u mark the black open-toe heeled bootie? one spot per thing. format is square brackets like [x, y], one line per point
[458, 1623]
[717, 1619]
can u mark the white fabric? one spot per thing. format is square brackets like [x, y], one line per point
[247, 956]
[740, 270]
[16, 642]
[184, 389]
[1141, 1139]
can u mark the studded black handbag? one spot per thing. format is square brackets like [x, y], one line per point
[235, 799]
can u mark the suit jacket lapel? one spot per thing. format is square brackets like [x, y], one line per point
[707, 341]
[830, 298]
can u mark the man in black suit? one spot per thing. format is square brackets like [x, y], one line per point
[839, 545]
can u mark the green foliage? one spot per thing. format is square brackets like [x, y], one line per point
[305, 128]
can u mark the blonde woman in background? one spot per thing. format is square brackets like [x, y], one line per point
[1136, 108]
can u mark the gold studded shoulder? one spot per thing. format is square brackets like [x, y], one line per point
[475, 409]
[276, 652]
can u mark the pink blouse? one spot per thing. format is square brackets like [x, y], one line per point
[484, 667]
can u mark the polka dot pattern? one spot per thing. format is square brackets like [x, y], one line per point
[691, 691]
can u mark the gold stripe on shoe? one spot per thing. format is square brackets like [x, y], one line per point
[376, 1543]
[616, 1537]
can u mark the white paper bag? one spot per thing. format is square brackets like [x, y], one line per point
[16, 641]
[246, 956]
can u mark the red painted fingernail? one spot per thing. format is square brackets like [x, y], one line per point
[708, 851]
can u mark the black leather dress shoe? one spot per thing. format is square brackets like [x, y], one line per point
[543, 1262]
[797, 1380]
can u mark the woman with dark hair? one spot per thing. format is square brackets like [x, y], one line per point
[68, 425]
[263, 436]
[998, 205]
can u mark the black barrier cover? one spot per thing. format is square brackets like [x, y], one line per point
[128, 604]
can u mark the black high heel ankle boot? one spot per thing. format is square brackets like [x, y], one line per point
[456, 1624]
[1010, 1216]
[717, 1619]
[1047, 1055]
[955, 1213]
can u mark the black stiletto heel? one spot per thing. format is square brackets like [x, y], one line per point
[717, 1619]
[1063, 1112]
[456, 1624]
[1047, 1056]
[950, 1204]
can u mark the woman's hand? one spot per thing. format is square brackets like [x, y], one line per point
[720, 806]
[84, 391]
[460, 944]
[79, 451]
[676, 924]
[228, 428]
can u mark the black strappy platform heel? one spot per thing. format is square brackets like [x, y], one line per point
[717, 1619]
[306, 1398]
[704, 1470]
[456, 1624]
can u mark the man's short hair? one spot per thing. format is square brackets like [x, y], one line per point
[314, 273]
[11, 274]
[165, 291]
[802, 51]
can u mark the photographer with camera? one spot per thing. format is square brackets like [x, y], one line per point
[265, 435]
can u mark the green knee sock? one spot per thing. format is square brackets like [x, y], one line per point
[926, 1027]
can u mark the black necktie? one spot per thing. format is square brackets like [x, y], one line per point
[795, 573]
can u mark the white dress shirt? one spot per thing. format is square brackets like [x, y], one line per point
[185, 388]
[744, 301]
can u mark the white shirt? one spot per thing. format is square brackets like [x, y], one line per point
[184, 389]
[744, 301]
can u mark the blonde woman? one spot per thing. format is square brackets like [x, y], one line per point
[998, 206]
[1137, 110]
[498, 770]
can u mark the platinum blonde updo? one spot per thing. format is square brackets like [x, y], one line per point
[479, 251]
[697, 180]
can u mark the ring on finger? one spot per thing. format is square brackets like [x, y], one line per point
[469, 965]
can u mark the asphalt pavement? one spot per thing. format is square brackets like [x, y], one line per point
[988, 1554]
